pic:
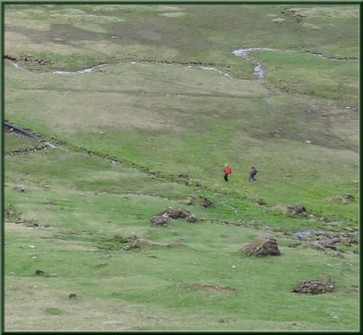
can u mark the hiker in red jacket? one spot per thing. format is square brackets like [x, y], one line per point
[227, 171]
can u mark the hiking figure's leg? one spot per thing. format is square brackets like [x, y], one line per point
[226, 177]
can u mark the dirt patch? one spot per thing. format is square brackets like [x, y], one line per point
[213, 288]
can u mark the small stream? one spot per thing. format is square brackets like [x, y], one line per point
[87, 70]
[259, 71]
[245, 53]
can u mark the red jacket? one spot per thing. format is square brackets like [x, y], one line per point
[227, 170]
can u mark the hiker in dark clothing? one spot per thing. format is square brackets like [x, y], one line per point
[227, 171]
[253, 173]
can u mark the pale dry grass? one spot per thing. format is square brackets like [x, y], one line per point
[14, 45]
[172, 14]
[17, 228]
[39, 303]
[166, 8]
[101, 112]
[108, 8]
[90, 18]
[328, 11]
[311, 26]
[126, 97]
[23, 15]
[13, 21]
[342, 121]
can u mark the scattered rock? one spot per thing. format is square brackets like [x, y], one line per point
[138, 243]
[203, 201]
[278, 20]
[11, 213]
[314, 286]
[262, 246]
[206, 202]
[160, 219]
[261, 201]
[324, 218]
[13, 59]
[289, 209]
[189, 201]
[19, 188]
[294, 13]
[45, 274]
[191, 218]
[324, 244]
[175, 213]
[32, 224]
[274, 133]
[328, 242]
[344, 198]
[337, 254]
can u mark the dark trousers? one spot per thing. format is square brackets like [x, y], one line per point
[226, 177]
[252, 177]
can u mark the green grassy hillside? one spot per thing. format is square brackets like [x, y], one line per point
[163, 104]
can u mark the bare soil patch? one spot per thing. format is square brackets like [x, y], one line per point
[213, 288]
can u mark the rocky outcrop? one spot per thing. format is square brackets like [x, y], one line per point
[262, 246]
[162, 217]
[314, 286]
